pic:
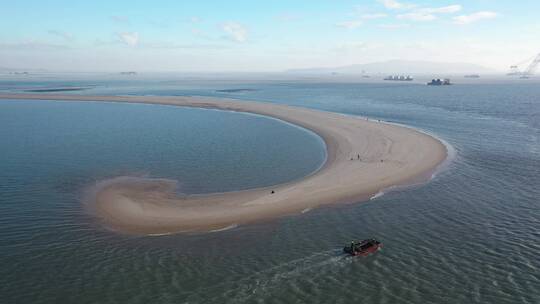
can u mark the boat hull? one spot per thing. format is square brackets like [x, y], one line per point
[363, 252]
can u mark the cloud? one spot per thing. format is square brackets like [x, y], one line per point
[441, 10]
[235, 31]
[417, 16]
[394, 26]
[429, 13]
[129, 38]
[64, 35]
[373, 16]
[468, 19]
[393, 4]
[350, 25]
[173, 45]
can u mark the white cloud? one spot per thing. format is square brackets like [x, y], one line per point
[129, 38]
[394, 26]
[429, 13]
[235, 31]
[417, 16]
[393, 4]
[441, 10]
[174, 45]
[350, 25]
[467, 19]
[373, 16]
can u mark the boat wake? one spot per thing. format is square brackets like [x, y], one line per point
[268, 280]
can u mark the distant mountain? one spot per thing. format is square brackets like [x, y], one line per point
[400, 67]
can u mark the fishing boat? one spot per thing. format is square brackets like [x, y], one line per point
[363, 248]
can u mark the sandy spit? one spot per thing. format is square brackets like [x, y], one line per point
[363, 158]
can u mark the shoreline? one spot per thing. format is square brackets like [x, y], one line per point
[389, 155]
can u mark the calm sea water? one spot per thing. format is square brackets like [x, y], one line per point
[471, 235]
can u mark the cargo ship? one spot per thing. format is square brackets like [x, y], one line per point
[398, 78]
[438, 82]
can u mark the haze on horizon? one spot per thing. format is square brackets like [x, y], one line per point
[249, 36]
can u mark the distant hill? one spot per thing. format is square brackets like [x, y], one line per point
[400, 67]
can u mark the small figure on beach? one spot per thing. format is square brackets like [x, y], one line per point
[272, 192]
[358, 156]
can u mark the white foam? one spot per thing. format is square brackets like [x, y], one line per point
[225, 228]
[160, 234]
[377, 195]
[306, 210]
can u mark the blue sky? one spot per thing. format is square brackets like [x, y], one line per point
[262, 35]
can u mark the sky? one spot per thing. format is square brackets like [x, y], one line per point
[257, 36]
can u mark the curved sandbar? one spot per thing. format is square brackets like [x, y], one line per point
[389, 155]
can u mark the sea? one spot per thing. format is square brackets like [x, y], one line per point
[471, 234]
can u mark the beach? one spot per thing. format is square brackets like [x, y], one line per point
[364, 157]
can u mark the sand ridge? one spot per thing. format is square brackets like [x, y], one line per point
[363, 157]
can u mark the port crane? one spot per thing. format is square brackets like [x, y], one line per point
[529, 70]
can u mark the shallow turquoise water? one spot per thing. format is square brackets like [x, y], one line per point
[471, 235]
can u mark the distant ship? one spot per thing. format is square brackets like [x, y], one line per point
[438, 82]
[128, 73]
[472, 76]
[364, 74]
[399, 78]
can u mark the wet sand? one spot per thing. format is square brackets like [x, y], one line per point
[363, 158]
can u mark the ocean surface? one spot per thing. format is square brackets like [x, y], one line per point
[470, 235]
